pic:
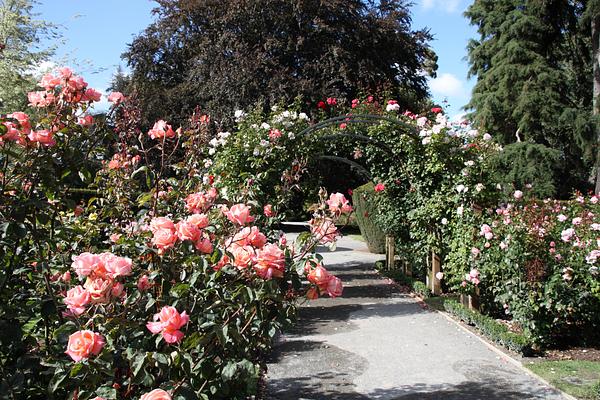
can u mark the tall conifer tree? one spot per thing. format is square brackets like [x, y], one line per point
[533, 62]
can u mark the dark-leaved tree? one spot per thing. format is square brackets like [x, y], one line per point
[533, 62]
[228, 54]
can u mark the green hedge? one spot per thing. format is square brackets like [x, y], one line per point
[416, 285]
[364, 208]
[491, 328]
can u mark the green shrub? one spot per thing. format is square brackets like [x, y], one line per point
[490, 328]
[364, 207]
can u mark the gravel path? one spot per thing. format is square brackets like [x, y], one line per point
[377, 343]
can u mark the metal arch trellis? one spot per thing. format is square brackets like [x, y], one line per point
[407, 130]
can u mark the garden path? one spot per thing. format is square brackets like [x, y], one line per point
[375, 342]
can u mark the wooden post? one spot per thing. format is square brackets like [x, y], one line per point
[436, 266]
[390, 252]
[407, 268]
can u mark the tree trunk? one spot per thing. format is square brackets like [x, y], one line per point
[596, 60]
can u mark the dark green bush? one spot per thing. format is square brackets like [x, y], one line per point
[364, 207]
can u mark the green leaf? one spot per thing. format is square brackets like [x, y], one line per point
[229, 371]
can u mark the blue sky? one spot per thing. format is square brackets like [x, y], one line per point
[96, 32]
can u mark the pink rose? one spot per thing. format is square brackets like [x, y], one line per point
[161, 130]
[43, 137]
[200, 220]
[518, 194]
[324, 230]
[204, 245]
[320, 277]
[250, 236]
[76, 300]
[312, 293]
[198, 202]
[40, 99]
[99, 289]
[156, 394]
[380, 187]
[334, 287]
[117, 266]
[239, 214]
[115, 237]
[164, 239]
[85, 263]
[23, 120]
[187, 231]
[49, 81]
[144, 283]
[168, 322]
[117, 289]
[116, 97]
[268, 211]
[85, 120]
[91, 95]
[83, 344]
[270, 262]
[161, 223]
[66, 277]
[243, 256]
[338, 204]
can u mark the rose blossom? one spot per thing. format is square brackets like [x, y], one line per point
[144, 283]
[161, 130]
[99, 289]
[83, 344]
[380, 187]
[561, 217]
[76, 300]
[439, 276]
[161, 223]
[243, 256]
[576, 221]
[116, 97]
[319, 276]
[85, 263]
[187, 231]
[200, 220]
[197, 203]
[518, 194]
[168, 322]
[43, 137]
[164, 239]
[324, 230]
[338, 203]
[268, 211]
[334, 287]
[475, 251]
[567, 234]
[239, 214]
[156, 394]
[270, 262]
[116, 266]
[250, 236]
[312, 293]
[204, 245]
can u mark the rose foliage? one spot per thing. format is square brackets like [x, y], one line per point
[128, 271]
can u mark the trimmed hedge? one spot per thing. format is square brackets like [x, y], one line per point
[364, 207]
[416, 285]
[491, 328]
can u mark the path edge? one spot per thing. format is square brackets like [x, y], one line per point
[495, 349]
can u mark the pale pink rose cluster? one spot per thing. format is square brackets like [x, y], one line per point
[101, 272]
[473, 277]
[249, 249]
[166, 233]
[338, 204]
[168, 323]
[592, 257]
[65, 87]
[486, 231]
[323, 280]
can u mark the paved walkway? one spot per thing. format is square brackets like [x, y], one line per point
[377, 343]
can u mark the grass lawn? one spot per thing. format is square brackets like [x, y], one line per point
[577, 378]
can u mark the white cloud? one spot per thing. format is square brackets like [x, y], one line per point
[446, 5]
[447, 85]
